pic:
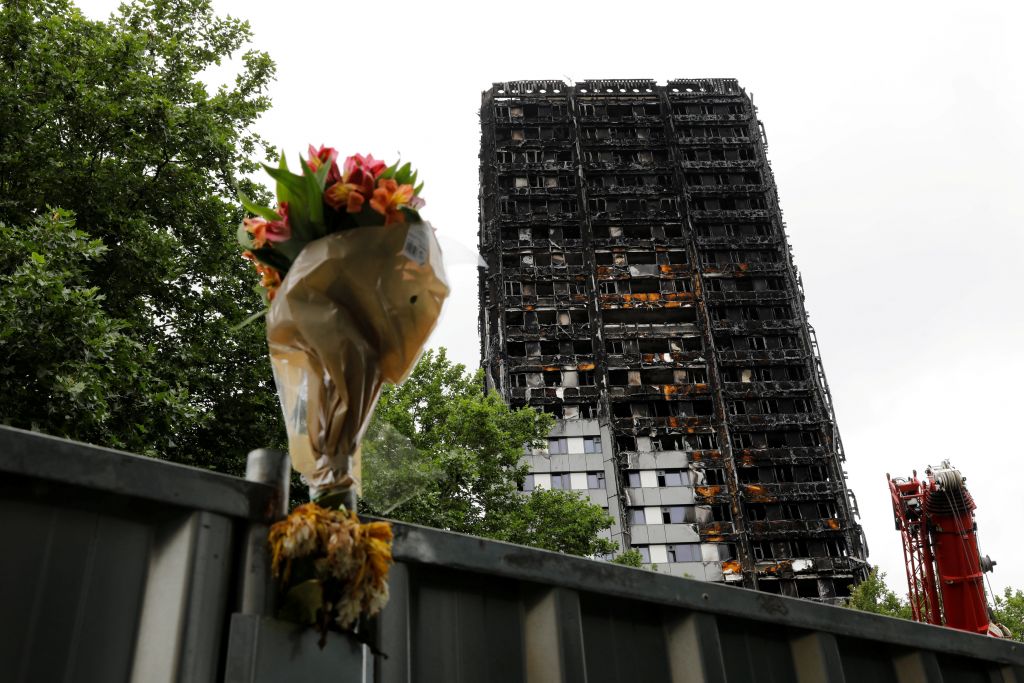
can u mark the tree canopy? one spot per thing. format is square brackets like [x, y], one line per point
[116, 310]
[442, 454]
[121, 281]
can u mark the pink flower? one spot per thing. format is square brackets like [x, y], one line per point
[280, 231]
[324, 155]
[264, 231]
[359, 168]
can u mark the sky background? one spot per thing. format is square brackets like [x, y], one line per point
[895, 135]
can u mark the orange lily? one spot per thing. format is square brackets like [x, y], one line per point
[345, 194]
[388, 198]
[270, 279]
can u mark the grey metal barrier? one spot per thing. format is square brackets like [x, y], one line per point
[120, 568]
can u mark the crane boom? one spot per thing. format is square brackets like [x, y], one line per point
[945, 571]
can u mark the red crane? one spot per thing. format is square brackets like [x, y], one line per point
[940, 547]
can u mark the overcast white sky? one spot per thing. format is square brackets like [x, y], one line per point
[895, 135]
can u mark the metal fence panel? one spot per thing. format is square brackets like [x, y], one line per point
[119, 568]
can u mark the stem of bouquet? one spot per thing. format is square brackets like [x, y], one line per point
[336, 499]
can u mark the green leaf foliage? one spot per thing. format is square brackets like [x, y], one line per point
[558, 520]
[122, 335]
[252, 207]
[630, 558]
[1009, 611]
[71, 368]
[463, 450]
[873, 595]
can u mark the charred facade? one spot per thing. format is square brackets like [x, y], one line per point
[641, 289]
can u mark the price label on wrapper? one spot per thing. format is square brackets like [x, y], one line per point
[417, 244]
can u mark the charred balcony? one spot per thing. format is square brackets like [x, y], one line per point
[641, 361]
[517, 267]
[748, 327]
[766, 388]
[707, 155]
[775, 455]
[753, 298]
[533, 394]
[667, 392]
[792, 491]
[647, 110]
[654, 207]
[729, 214]
[541, 110]
[707, 236]
[637, 423]
[623, 270]
[749, 357]
[627, 158]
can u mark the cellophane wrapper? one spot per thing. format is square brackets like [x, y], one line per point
[354, 312]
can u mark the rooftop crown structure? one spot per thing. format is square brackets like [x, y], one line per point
[640, 288]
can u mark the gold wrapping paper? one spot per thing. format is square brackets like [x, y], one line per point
[353, 312]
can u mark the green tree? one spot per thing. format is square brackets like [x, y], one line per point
[558, 520]
[457, 456]
[630, 558]
[1009, 611]
[873, 595]
[116, 329]
[81, 358]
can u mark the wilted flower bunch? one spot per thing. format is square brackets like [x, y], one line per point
[323, 199]
[331, 567]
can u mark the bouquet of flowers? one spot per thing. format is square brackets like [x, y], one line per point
[355, 284]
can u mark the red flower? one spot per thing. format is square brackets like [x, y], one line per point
[264, 231]
[356, 183]
[388, 198]
[280, 231]
[324, 155]
[344, 194]
[359, 169]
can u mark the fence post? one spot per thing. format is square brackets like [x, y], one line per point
[265, 466]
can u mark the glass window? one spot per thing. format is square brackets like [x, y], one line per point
[595, 480]
[645, 552]
[677, 514]
[684, 552]
[633, 478]
[528, 483]
[636, 516]
[560, 481]
[670, 478]
[591, 444]
[557, 446]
